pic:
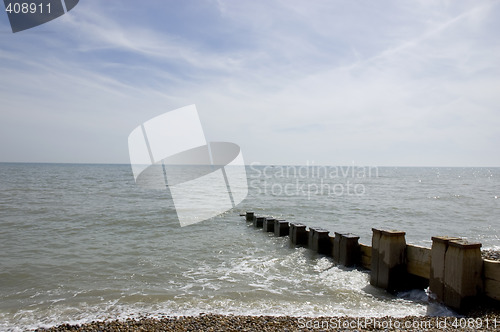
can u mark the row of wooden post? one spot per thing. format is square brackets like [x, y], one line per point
[454, 276]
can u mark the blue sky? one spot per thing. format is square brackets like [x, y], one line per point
[413, 83]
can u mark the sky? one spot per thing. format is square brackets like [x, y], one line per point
[326, 82]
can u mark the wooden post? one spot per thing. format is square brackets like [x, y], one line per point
[312, 244]
[375, 256]
[298, 233]
[332, 242]
[249, 216]
[388, 260]
[281, 228]
[491, 273]
[462, 274]
[349, 250]
[336, 247]
[319, 240]
[438, 252]
[258, 222]
[366, 256]
[269, 224]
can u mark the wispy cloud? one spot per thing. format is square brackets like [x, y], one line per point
[366, 80]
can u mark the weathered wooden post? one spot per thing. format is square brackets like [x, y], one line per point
[323, 241]
[298, 233]
[375, 256]
[281, 227]
[462, 274]
[269, 224]
[319, 240]
[438, 252]
[349, 250]
[249, 216]
[388, 260]
[336, 247]
[310, 241]
[258, 222]
[346, 249]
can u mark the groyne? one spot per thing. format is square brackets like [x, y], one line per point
[452, 268]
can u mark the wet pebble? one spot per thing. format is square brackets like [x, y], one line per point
[491, 254]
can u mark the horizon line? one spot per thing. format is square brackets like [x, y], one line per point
[251, 164]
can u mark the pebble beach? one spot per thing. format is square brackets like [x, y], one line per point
[493, 255]
[485, 322]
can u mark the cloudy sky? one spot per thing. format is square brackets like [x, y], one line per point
[403, 83]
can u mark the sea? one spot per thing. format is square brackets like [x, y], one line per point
[84, 242]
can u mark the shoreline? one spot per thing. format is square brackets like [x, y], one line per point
[486, 320]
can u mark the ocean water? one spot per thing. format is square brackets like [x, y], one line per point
[84, 242]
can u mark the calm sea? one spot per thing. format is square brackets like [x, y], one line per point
[84, 242]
